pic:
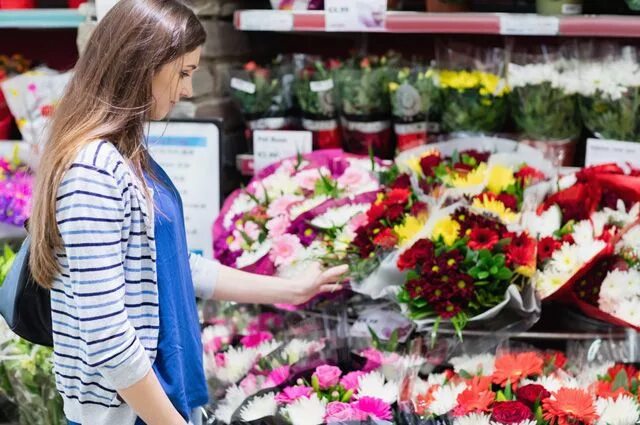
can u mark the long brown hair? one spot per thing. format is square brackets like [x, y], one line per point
[108, 98]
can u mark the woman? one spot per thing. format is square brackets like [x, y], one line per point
[108, 232]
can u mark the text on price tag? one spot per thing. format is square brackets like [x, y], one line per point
[355, 15]
[514, 24]
[601, 151]
[270, 146]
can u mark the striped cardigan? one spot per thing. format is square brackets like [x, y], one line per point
[104, 301]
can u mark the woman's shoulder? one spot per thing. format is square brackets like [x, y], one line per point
[100, 155]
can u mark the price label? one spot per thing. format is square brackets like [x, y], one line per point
[529, 25]
[383, 323]
[601, 151]
[319, 86]
[243, 86]
[271, 146]
[266, 20]
[355, 15]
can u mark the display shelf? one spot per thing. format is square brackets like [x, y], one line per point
[40, 18]
[452, 23]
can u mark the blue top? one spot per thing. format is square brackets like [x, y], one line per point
[178, 365]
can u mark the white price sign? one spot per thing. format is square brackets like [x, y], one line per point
[189, 154]
[383, 323]
[601, 151]
[355, 15]
[266, 20]
[513, 24]
[270, 146]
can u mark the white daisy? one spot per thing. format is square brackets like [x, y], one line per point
[445, 399]
[583, 233]
[252, 256]
[543, 225]
[482, 364]
[339, 217]
[267, 347]
[279, 184]
[436, 379]
[238, 362]
[373, 385]
[565, 259]
[473, 419]
[243, 203]
[306, 411]
[622, 411]
[259, 407]
[234, 397]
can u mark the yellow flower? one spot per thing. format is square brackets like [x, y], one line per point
[472, 178]
[447, 229]
[409, 228]
[393, 86]
[414, 165]
[526, 271]
[485, 203]
[500, 178]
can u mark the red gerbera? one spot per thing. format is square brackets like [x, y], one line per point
[386, 239]
[473, 400]
[509, 201]
[522, 251]
[514, 367]
[483, 238]
[546, 247]
[569, 406]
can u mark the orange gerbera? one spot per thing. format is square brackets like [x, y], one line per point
[423, 401]
[514, 367]
[473, 401]
[569, 406]
[604, 389]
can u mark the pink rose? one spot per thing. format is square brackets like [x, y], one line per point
[291, 394]
[375, 359]
[281, 205]
[373, 407]
[249, 384]
[284, 249]
[278, 226]
[307, 179]
[255, 339]
[351, 381]
[354, 178]
[328, 376]
[277, 377]
[343, 412]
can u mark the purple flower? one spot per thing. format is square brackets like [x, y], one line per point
[303, 231]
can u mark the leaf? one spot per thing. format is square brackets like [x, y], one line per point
[504, 274]
[508, 392]
[493, 270]
[483, 275]
[620, 381]
[393, 341]
[374, 337]
[465, 375]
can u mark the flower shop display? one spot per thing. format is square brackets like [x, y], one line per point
[363, 87]
[9, 66]
[544, 105]
[16, 185]
[412, 91]
[315, 90]
[32, 97]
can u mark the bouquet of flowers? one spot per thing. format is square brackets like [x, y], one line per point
[9, 66]
[412, 92]
[610, 106]
[465, 266]
[316, 94]
[364, 103]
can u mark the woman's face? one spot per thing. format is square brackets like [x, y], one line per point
[172, 83]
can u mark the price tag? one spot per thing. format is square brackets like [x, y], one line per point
[270, 146]
[355, 15]
[383, 322]
[529, 25]
[601, 151]
[266, 20]
[319, 86]
[243, 86]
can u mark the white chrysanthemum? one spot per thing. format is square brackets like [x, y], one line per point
[619, 285]
[583, 232]
[339, 217]
[483, 364]
[307, 205]
[238, 362]
[242, 204]
[631, 240]
[279, 184]
[343, 240]
[473, 419]
[587, 251]
[373, 385]
[252, 256]
[549, 281]
[306, 411]
[622, 411]
[539, 73]
[565, 259]
[233, 399]
[267, 347]
[436, 379]
[297, 349]
[628, 311]
[543, 225]
[610, 79]
[259, 407]
[217, 331]
[445, 399]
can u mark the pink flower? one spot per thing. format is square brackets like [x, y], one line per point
[351, 381]
[307, 179]
[249, 384]
[375, 359]
[328, 376]
[291, 394]
[288, 167]
[236, 243]
[358, 221]
[264, 322]
[252, 230]
[374, 407]
[284, 249]
[255, 339]
[221, 360]
[277, 377]
[281, 205]
[343, 412]
[215, 344]
[354, 178]
[278, 226]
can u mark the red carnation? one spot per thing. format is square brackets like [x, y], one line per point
[532, 393]
[522, 251]
[394, 213]
[402, 182]
[546, 247]
[528, 175]
[418, 208]
[376, 212]
[483, 238]
[429, 163]
[397, 196]
[477, 155]
[386, 239]
[511, 412]
[509, 201]
[421, 252]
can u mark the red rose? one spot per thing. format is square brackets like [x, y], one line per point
[376, 212]
[483, 238]
[511, 412]
[532, 393]
[397, 196]
[402, 182]
[386, 239]
[421, 252]
[546, 247]
[509, 201]
[429, 163]
[528, 175]
[522, 251]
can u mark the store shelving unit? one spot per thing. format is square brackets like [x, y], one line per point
[452, 23]
[40, 18]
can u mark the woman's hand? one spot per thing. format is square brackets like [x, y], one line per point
[314, 282]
